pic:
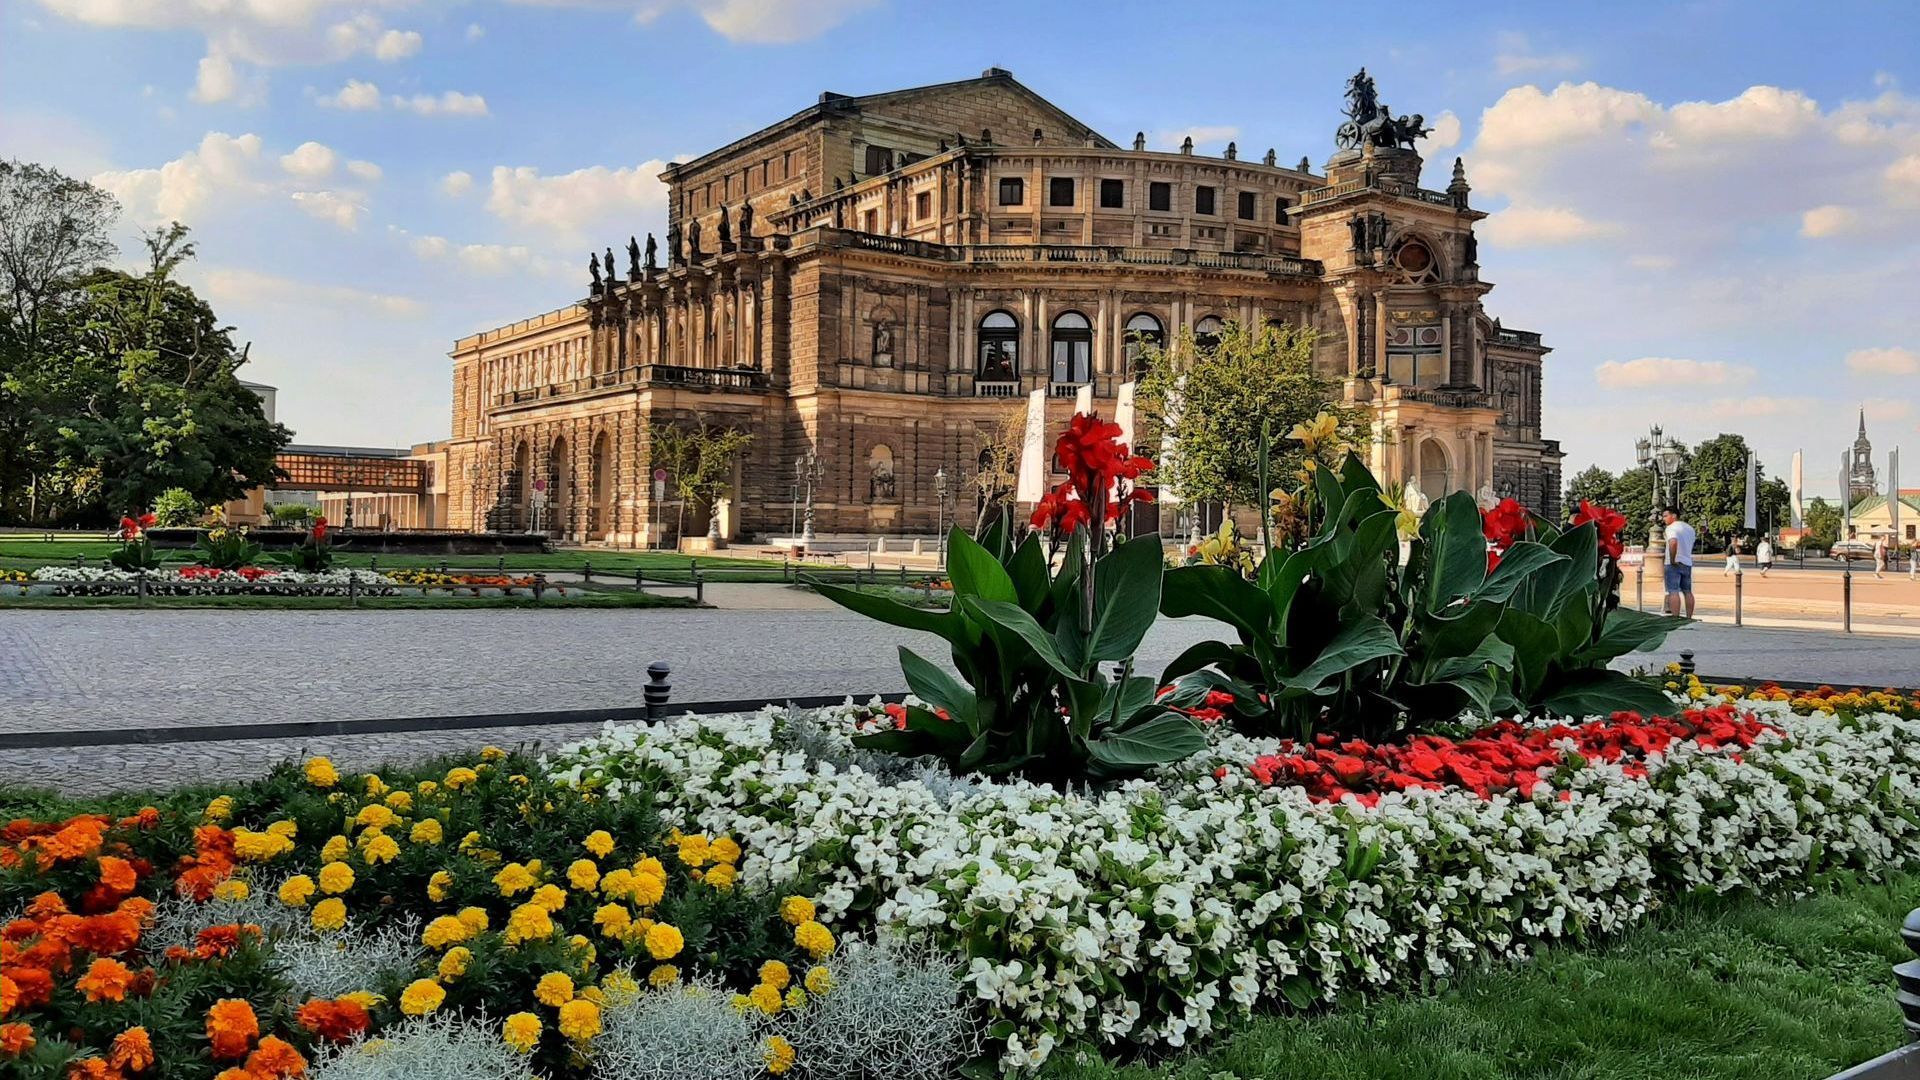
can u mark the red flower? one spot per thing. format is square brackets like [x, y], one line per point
[1607, 523]
[131, 527]
[1061, 509]
[1505, 523]
[1096, 463]
[319, 530]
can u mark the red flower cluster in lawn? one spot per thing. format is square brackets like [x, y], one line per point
[1502, 757]
[1096, 461]
[211, 573]
[132, 527]
[898, 714]
[1607, 522]
[319, 530]
[1505, 523]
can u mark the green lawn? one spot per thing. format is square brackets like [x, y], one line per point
[25, 552]
[1711, 989]
[575, 598]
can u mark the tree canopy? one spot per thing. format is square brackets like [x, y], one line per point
[1214, 401]
[1713, 492]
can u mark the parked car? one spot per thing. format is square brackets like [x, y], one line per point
[1850, 550]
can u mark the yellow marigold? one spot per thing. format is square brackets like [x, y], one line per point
[617, 883]
[551, 897]
[284, 827]
[647, 889]
[335, 849]
[663, 976]
[664, 941]
[232, 889]
[693, 850]
[819, 980]
[366, 999]
[521, 1031]
[775, 974]
[779, 1055]
[321, 773]
[648, 866]
[400, 800]
[458, 778]
[796, 997]
[455, 963]
[376, 815]
[555, 988]
[594, 994]
[584, 947]
[579, 1020]
[381, 849]
[421, 997]
[599, 843]
[612, 919]
[529, 922]
[514, 878]
[330, 914]
[427, 831]
[260, 846]
[796, 910]
[220, 809]
[336, 877]
[426, 787]
[438, 884]
[816, 939]
[444, 931]
[765, 998]
[741, 1003]
[296, 890]
[720, 876]
[584, 875]
[492, 754]
[475, 919]
[724, 850]
[619, 984]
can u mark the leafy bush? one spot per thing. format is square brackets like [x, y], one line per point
[176, 507]
[314, 553]
[226, 548]
[136, 551]
[291, 513]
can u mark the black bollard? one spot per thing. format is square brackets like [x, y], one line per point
[586, 574]
[658, 689]
[1686, 662]
[1907, 976]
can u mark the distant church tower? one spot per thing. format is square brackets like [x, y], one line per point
[1860, 480]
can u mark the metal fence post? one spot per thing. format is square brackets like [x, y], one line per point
[1739, 578]
[353, 589]
[539, 586]
[639, 580]
[140, 587]
[1846, 601]
[699, 587]
[658, 689]
[586, 574]
[1907, 976]
[373, 563]
[1640, 585]
[503, 564]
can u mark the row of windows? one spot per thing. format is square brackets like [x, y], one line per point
[1071, 344]
[724, 189]
[1113, 196]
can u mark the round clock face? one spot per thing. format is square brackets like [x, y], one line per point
[1413, 258]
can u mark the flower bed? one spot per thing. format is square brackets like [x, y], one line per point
[208, 581]
[1152, 912]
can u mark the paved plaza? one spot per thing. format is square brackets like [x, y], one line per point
[99, 670]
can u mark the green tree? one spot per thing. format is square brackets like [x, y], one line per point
[176, 507]
[1823, 523]
[153, 400]
[1593, 484]
[53, 229]
[1713, 491]
[1214, 402]
[699, 462]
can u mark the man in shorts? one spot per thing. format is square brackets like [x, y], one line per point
[1679, 564]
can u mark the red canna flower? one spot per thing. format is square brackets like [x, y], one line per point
[319, 531]
[1505, 523]
[1607, 524]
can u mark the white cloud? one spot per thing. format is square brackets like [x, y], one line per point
[456, 184]
[450, 103]
[1661, 371]
[493, 260]
[1445, 134]
[1885, 361]
[1524, 117]
[429, 247]
[1761, 112]
[1202, 135]
[331, 206]
[1539, 226]
[216, 81]
[252, 289]
[1756, 406]
[1829, 220]
[475, 31]
[365, 170]
[310, 161]
[176, 190]
[1517, 56]
[356, 95]
[396, 45]
[1902, 180]
[563, 206]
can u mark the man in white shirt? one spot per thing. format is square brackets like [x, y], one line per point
[1679, 570]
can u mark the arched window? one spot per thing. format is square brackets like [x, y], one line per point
[999, 347]
[1072, 348]
[1206, 333]
[1143, 330]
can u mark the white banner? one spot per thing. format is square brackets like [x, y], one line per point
[1753, 492]
[1083, 400]
[1123, 412]
[1846, 496]
[1164, 492]
[1033, 451]
[1893, 493]
[1799, 508]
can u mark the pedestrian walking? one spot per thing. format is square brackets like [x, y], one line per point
[1679, 564]
[1880, 556]
[1763, 554]
[1733, 558]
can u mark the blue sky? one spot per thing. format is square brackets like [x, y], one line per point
[1710, 209]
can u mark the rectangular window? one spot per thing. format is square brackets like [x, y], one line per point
[726, 186]
[1280, 210]
[1249, 203]
[871, 221]
[1013, 191]
[1159, 196]
[1203, 200]
[1113, 194]
[786, 165]
[879, 160]
[1060, 191]
[923, 205]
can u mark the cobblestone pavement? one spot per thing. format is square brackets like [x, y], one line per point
[99, 670]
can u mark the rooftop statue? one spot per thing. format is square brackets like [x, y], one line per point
[1371, 123]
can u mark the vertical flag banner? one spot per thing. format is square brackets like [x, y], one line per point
[1846, 497]
[1123, 411]
[1753, 492]
[1033, 451]
[1799, 508]
[1167, 495]
[1083, 400]
[1893, 495]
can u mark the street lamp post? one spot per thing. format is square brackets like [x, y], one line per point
[809, 471]
[1660, 455]
[940, 517]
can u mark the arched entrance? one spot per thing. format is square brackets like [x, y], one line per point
[520, 487]
[557, 489]
[1436, 470]
[601, 527]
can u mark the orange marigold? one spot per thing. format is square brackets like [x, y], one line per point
[16, 1039]
[109, 934]
[32, 986]
[218, 942]
[231, 1028]
[275, 1058]
[335, 1021]
[75, 839]
[91, 1069]
[106, 980]
[132, 1050]
[117, 874]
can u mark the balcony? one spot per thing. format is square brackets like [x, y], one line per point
[995, 389]
[697, 378]
[1447, 397]
[1080, 254]
[1064, 389]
